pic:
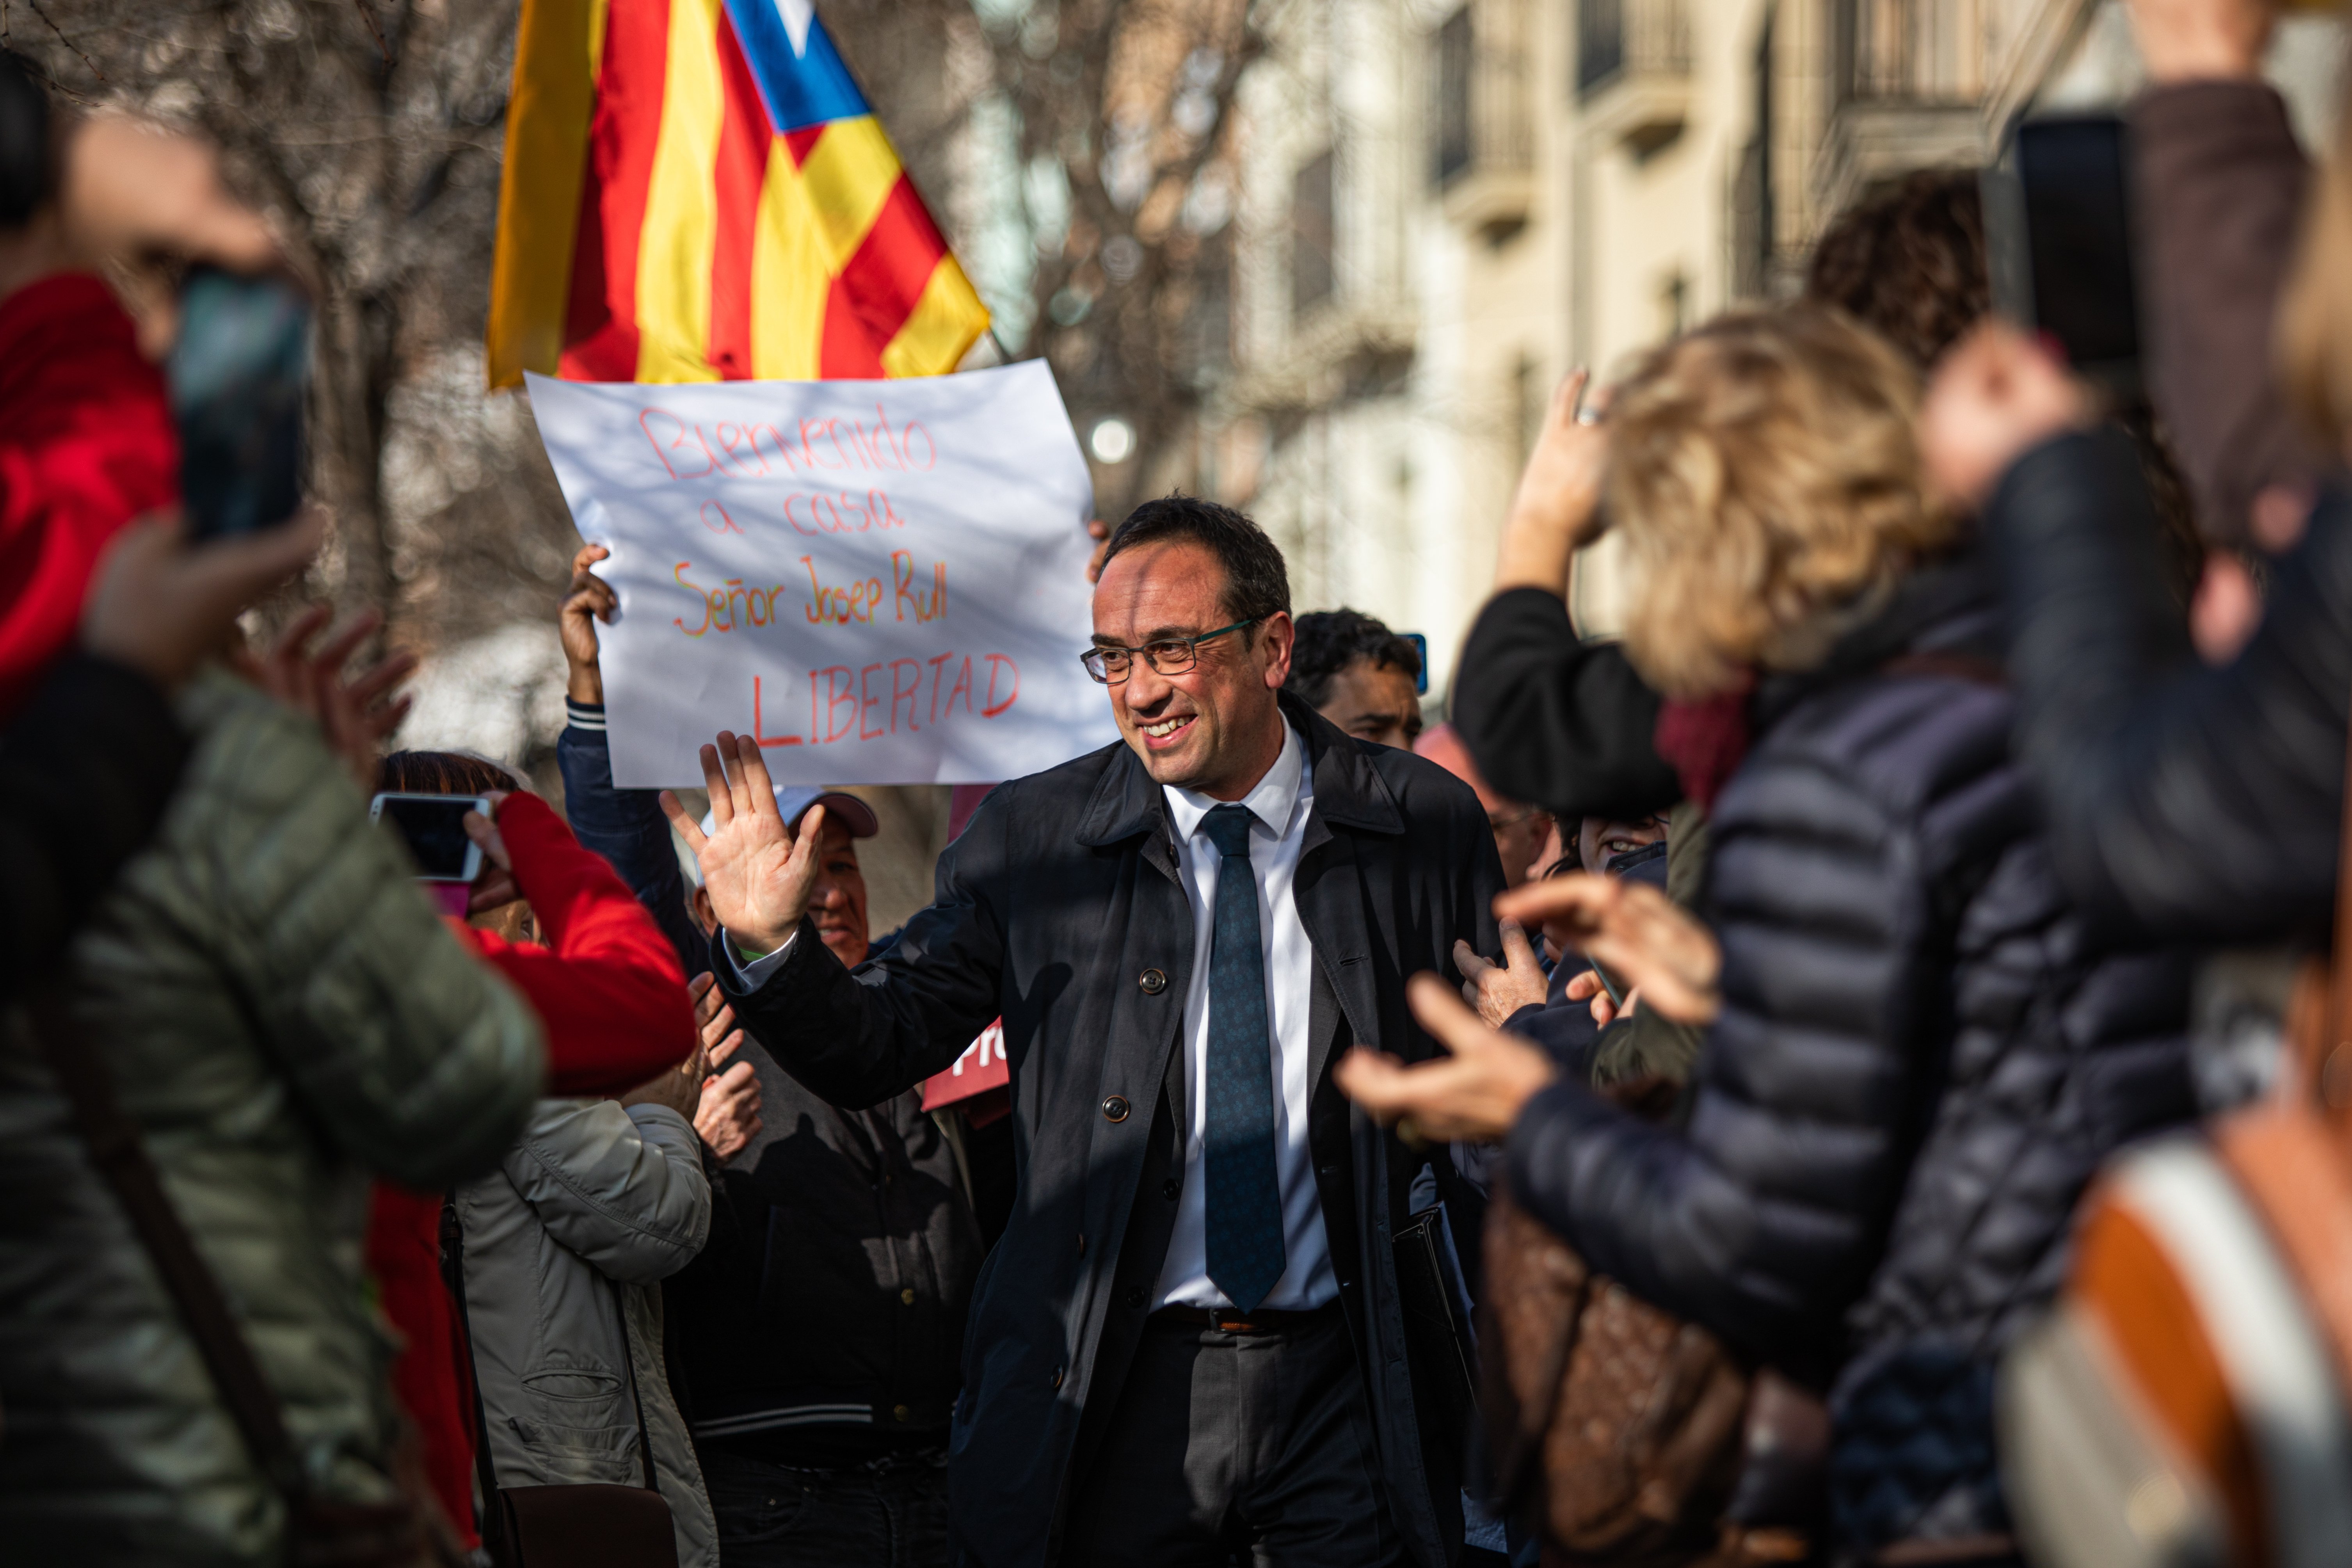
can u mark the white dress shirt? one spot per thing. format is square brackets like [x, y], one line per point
[1281, 804]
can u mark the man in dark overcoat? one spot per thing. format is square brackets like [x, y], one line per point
[1188, 1348]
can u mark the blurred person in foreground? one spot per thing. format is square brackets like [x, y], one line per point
[1571, 724]
[281, 1013]
[2186, 803]
[820, 1411]
[1861, 1195]
[1188, 1344]
[1359, 675]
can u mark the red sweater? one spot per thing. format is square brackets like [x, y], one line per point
[608, 988]
[86, 444]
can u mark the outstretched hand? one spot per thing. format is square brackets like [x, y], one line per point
[758, 875]
[356, 713]
[1556, 510]
[1994, 397]
[1475, 1093]
[1634, 930]
[1499, 990]
[161, 603]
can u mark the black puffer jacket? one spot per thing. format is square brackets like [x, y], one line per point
[2184, 802]
[1918, 1064]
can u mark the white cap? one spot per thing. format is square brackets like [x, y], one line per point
[791, 805]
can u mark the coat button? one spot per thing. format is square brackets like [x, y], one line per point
[1154, 980]
[1115, 1108]
[908, 1295]
[899, 1412]
[1136, 1297]
[1171, 1189]
[1082, 1244]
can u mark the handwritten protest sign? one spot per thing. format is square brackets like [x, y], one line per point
[882, 581]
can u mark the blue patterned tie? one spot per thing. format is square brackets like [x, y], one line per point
[1243, 1197]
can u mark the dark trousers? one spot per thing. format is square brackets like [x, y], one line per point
[1253, 1449]
[892, 1513]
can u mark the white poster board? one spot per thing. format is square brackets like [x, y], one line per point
[883, 580]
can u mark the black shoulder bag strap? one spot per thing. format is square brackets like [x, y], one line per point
[116, 1149]
[317, 1530]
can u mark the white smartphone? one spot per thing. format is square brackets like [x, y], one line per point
[433, 827]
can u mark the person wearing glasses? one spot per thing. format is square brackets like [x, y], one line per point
[1188, 1346]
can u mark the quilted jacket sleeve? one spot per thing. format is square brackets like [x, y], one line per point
[2185, 803]
[624, 1188]
[1555, 720]
[406, 1050]
[1762, 1219]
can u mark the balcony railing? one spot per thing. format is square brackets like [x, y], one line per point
[1618, 38]
[1912, 52]
[1484, 117]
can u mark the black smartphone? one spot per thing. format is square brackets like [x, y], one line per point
[2058, 241]
[434, 826]
[240, 374]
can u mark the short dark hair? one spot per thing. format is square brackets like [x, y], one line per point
[1908, 262]
[441, 773]
[1331, 640]
[1257, 581]
[27, 167]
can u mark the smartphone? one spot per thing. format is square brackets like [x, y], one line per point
[2058, 242]
[434, 826]
[1420, 641]
[240, 374]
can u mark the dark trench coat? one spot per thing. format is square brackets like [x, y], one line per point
[1062, 909]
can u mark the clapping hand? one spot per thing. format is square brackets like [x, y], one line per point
[356, 713]
[727, 1117]
[1499, 990]
[1636, 932]
[161, 604]
[758, 875]
[1473, 1093]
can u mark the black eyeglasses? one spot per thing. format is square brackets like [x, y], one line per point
[1168, 656]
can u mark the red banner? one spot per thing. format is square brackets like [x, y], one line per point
[982, 1067]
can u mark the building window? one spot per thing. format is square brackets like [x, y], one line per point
[1457, 56]
[1311, 234]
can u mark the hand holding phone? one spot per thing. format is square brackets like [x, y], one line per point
[434, 829]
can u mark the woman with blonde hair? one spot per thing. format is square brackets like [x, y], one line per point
[1915, 1061]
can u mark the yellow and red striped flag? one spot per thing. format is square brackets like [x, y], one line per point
[695, 190]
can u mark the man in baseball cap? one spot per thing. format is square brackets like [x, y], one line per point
[839, 904]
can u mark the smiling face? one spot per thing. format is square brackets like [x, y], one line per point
[1216, 727]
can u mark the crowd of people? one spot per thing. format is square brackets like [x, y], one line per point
[1652, 1116]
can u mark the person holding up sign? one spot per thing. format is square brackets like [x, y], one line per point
[1189, 1342]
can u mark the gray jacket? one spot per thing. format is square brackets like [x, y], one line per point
[284, 1016]
[591, 1209]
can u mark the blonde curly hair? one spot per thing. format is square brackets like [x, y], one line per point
[1764, 472]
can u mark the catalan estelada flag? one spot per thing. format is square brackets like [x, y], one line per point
[695, 190]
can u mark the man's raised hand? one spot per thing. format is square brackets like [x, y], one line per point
[758, 876]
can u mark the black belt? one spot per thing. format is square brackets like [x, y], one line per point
[1232, 1320]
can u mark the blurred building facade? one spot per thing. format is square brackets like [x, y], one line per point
[1445, 206]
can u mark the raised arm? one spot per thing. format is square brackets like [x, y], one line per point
[854, 1039]
[607, 985]
[624, 826]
